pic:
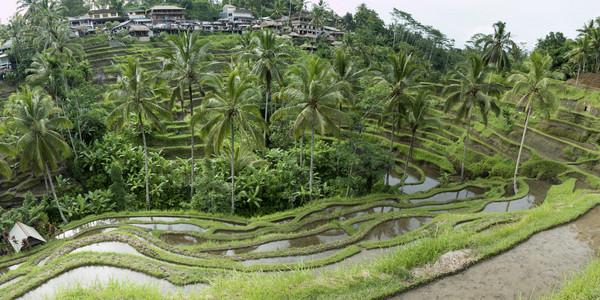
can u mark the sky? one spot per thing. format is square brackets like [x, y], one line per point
[527, 20]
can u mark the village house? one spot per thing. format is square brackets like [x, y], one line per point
[101, 16]
[165, 14]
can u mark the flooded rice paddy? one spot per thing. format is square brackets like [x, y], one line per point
[529, 270]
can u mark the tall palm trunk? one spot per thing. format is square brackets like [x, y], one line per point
[268, 87]
[515, 187]
[408, 155]
[192, 129]
[390, 168]
[145, 160]
[466, 141]
[232, 173]
[54, 194]
[578, 71]
[301, 145]
[312, 151]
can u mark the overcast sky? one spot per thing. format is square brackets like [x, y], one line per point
[527, 20]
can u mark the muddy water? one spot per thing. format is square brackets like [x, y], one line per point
[331, 235]
[394, 228]
[115, 247]
[531, 269]
[176, 227]
[290, 259]
[445, 196]
[537, 194]
[87, 276]
[181, 239]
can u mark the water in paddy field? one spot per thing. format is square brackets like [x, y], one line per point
[531, 269]
[115, 247]
[445, 196]
[102, 274]
[176, 227]
[76, 230]
[413, 176]
[331, 235]
[181, 239]
[391, 229]
[536, 196]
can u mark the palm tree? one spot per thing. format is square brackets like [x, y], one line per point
[34, 119]
[397, 77]
[184, 64]
[534, 88]
[595, 45]
[267, 52]
[414, 118]
[496, 48]
[229, 108]
[469, 87]
[136, 95]
[48, 71]
[316, 95]
[578, 53]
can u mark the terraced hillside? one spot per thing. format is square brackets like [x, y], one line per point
[368, 247]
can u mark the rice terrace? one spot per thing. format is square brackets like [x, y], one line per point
[277, 150]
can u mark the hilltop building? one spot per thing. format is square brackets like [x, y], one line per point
[165, 14]
[101, 16]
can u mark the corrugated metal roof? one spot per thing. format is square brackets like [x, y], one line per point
[21, 231]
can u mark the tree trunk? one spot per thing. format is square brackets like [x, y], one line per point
[301, 145]
[390, 168]
[54, 195]
[232, 172]
[192, 149]
[312, 151]
[515, 187]
[268, 87]
[145, 161]
[408, 155]
[462, 167]
[578, 70]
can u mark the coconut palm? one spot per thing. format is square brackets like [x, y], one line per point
[267, 52]
[136, 96]
[470, 88]
[316, 96]
[579, 53]
[35, 120]
[184, 63]
[595, 45]
[397, 77]
[414, 118]
[229, 108]
[496, 48]
[536, 87]
[48, 71]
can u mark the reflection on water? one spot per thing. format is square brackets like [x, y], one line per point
[537, 194]
[160, 219]
[428, 183]
[76, 230]
[328, 236]
[176, 227]
[181, 239]
[373, 210]
[290, 259]
[115, 247]
[394, 228]
[95, 274]
[445, 196]
[530, 270]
